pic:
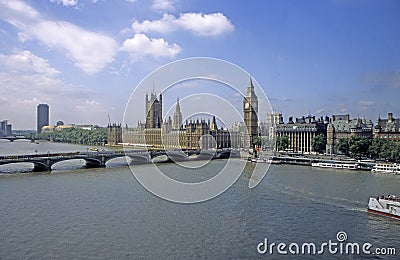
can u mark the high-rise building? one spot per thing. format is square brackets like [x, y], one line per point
[42, 117]
[5, 128]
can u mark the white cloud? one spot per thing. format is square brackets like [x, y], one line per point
[72, 3]
[23, 92]
[205, 24]
[141, 45]
[26, 61]
[90, 51]
[366, 103]
[65, 2]
[27, 80]
[3, 100]
[164, 25]
[91, 102]
[197, 23]
[163, 5]
[88, 106]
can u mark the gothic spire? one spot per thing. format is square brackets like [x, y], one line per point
[214, 124]
[178, 107]
[250, 88]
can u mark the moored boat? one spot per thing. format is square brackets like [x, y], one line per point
[388, 206]
[386, 168]
[258, 160]
[336, 165]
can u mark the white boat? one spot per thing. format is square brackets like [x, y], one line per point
[388, 206]
[336, 165]
[258, 160]
[386, 168]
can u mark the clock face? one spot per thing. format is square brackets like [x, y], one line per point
[246, 105]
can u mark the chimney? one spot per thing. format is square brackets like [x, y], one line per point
[333, 118]
[347, 118]
[390, 117]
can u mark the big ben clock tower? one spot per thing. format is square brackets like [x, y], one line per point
[250, 111]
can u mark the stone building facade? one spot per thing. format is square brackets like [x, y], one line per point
[250, 113]
[387, 129]
[272, 120]
[114, 134]
[153, 112]
[197, 134]
[342, 127]
[301, 132]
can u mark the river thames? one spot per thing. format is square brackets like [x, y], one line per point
[74, 212]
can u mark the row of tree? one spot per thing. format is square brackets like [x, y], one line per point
[356, 147]
[96, 136]
[377, 149]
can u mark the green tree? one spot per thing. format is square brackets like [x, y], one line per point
[96, 136]
[396, 152]
[282, 142]
[375, 149]
[257, 141]
[318, 143]
[389, 151]
[343, 146]
[359, 146]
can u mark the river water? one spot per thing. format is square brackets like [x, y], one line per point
[74, 212]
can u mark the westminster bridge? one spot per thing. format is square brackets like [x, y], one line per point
[12, 138]
[44, 162]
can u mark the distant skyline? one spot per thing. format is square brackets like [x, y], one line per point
[84, 57]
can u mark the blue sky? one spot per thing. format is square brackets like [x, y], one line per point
[85, 57]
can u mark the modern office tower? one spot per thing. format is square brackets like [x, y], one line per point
[42, 117]
[5, 128]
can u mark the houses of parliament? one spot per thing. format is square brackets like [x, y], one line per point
[192, 134]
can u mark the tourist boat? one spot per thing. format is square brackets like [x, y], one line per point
[386, 168]
[385, 205]
[336, 165]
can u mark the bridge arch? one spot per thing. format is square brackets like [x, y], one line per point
[56, 163]
[116, 159]
[139, 159]
[177, 156]
[34, 165]
[12, 139]
[39, 166]
[94, 163]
